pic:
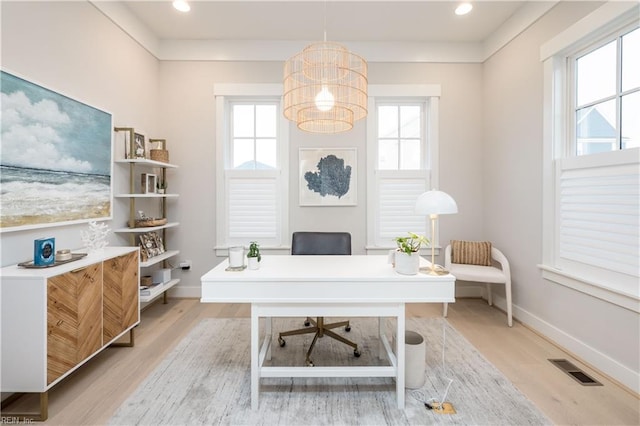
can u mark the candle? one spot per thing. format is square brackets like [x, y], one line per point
[236, 257]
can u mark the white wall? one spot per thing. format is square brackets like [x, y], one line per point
[599, 332]
[187, 120]
[71, 48]
[490, 152]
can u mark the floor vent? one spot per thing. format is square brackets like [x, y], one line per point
[574, 372]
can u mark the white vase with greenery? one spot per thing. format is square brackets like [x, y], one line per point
[407, 256]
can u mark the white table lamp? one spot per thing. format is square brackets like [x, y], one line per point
[434, 203]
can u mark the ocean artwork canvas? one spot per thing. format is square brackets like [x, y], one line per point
[55, 158]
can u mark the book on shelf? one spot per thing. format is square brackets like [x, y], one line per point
[145, 290]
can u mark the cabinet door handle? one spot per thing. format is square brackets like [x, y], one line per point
[75, 271]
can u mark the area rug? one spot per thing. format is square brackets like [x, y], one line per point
[205, 380]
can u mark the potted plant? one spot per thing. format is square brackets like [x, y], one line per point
[407, 259]
[253, 256]
[161, 187]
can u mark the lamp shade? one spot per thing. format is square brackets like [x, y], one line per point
[325, 88]
[435, 202]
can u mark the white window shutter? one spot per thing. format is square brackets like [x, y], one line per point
[599, 211]
[397, 197]
[252, 208]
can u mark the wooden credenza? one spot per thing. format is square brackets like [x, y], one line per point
[55, 319]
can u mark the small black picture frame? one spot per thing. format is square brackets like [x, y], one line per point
[139, 145]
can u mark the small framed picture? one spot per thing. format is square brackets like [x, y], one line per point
[148, 183]
[140, 151]
[149, 244]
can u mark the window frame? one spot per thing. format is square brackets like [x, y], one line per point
[429, 96]
[572, 70]
[560, 154]
[225, 96]
[232, 102]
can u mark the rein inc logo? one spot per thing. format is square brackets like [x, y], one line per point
[15, 420]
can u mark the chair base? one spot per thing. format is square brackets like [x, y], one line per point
[320, 329]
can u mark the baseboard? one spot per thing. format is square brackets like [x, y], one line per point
[595, 359]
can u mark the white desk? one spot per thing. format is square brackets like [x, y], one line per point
[352, 286]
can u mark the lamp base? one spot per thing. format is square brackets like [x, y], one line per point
[437, 271]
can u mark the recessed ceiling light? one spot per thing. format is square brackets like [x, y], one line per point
[464, 8]
[181, 5]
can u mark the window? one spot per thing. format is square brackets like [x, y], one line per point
[252, 164]
[254, 137]
[591, 212]
[401, 154]
[607, 95]
[400, 136]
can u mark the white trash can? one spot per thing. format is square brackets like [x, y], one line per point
[414, 356]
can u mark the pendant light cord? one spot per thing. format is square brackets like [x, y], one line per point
[325, 21]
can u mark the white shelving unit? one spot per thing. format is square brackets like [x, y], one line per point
[136, 166]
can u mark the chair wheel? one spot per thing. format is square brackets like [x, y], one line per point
[309, 362]
[347, 328]
[281, 342]
[307, 323]
[356, 353]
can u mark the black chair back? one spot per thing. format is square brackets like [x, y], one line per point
[321, 243]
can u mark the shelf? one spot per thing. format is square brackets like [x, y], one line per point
[158, 290]
[146, 195]
[146, 228]
[133, 227]
[145, 162]
[157, 259]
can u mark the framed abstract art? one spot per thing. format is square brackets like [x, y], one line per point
[328, 177]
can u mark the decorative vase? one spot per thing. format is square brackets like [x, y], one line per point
[253, 263]
[407, 264]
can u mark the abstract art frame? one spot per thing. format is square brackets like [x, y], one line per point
[328, 176]
[56, 161]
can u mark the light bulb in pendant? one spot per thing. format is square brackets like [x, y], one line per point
[324, 99]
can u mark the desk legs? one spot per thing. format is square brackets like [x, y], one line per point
[396, 310]
[400, 356]
[255, 357]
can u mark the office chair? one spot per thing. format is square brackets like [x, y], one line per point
[320, 243]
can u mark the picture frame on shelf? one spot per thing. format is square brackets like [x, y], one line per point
[151, 244]
[140, 151]
[148, 183]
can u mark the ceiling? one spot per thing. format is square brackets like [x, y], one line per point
[214, 23]
[304, 20]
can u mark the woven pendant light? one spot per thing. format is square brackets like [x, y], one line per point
[325, 88]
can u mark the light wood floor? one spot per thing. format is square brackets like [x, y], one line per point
[92, 394]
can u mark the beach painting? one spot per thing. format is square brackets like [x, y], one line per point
[55, 158]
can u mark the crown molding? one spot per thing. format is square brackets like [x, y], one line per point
[524, 17]
[281, 50]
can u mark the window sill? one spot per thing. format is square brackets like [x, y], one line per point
[627, 301]
[224, 251]
[385, 250]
